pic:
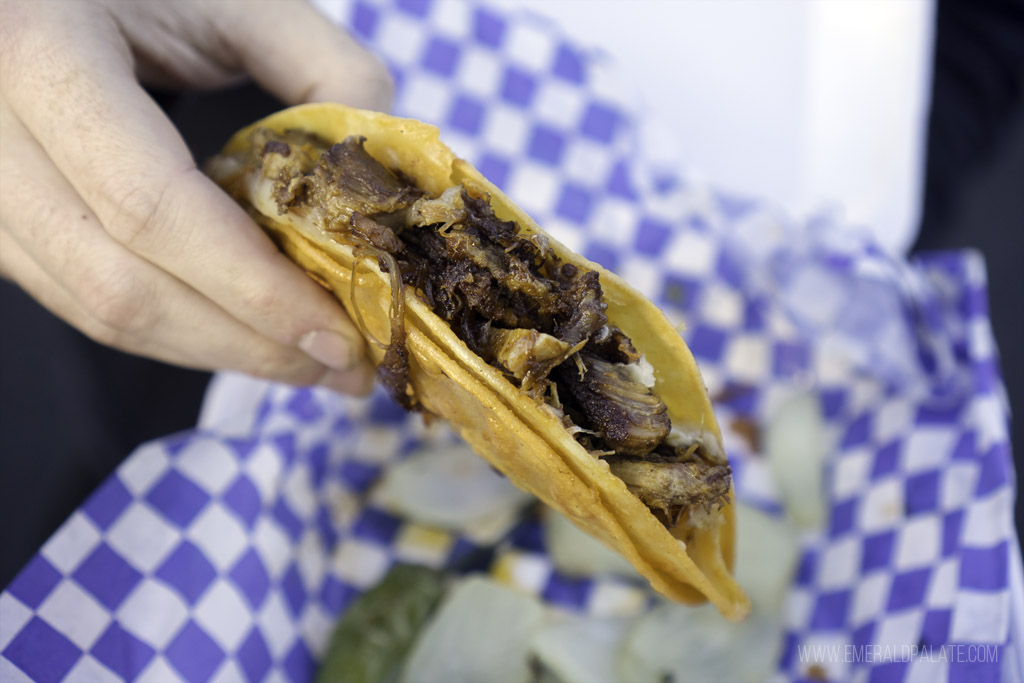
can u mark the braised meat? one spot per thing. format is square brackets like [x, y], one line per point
[672, 486]
[511, 300]
[617, 403]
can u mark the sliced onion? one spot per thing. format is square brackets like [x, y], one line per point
[767, 551]
[480, 634]
[641, 372]
[577, 650]
[577, 553]
[679, 643]
[795, 448]
[450, 487]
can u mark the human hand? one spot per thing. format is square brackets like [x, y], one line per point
[104, 217]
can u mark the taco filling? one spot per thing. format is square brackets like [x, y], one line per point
[538, 319]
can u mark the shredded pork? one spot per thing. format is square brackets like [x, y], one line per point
[511, 300]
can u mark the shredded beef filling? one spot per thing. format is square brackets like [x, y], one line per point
[511, 300]
[633, 420]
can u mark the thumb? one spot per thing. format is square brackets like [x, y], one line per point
[300, 56]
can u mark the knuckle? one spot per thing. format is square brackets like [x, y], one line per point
[120, 301]
[141, 215]
[263, 305]
[135, 213]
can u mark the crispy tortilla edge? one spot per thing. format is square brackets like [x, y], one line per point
[686, 573]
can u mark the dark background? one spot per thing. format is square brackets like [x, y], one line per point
[70, 409]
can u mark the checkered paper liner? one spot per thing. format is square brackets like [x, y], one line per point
[226, 553]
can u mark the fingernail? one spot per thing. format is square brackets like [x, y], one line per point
[331, 349]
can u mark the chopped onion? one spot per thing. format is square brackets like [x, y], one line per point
[795, 448]
[578, 650]
[452, 488]
[642, 372]
[575, 552]
[678, 643]
[481, 633]
[767, 551]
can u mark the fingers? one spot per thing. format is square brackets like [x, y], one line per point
[53, 246]
[104, 324]
[297, 54]
[121, 155]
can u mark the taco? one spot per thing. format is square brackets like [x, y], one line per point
[557, 372]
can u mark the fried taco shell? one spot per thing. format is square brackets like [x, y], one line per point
[553, 369]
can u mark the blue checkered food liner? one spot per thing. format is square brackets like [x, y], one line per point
[226, 553]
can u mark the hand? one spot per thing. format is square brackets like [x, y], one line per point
[104, 217]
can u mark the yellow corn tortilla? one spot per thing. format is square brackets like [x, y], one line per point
[692, 564]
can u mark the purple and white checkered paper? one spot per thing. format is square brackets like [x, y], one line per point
[226, 553]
